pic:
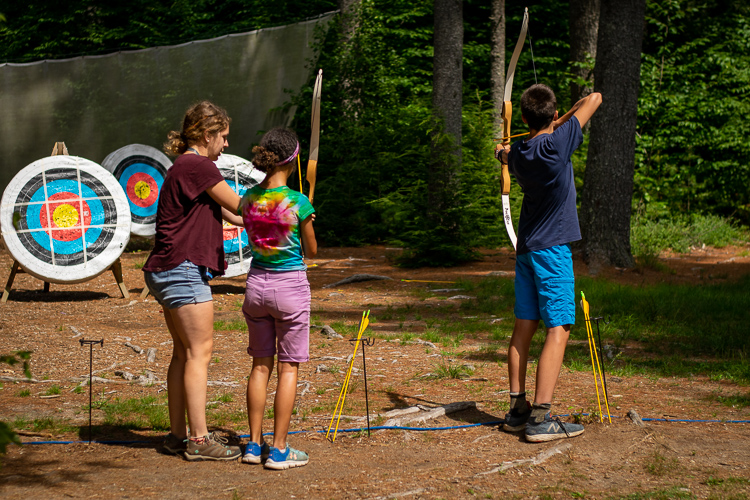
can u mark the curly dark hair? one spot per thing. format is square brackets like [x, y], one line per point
[277, 145]
[200, 118]
[538, 106]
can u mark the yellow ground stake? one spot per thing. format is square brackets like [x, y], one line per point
[364, 322]
[595, 366]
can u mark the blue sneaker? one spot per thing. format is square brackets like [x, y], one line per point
[286, 460]
[550, 429]
[255, 453]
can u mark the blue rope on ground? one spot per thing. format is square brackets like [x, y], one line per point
[402, 428]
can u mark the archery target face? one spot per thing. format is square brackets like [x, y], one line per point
[241, 176]
[140, 170]
[65, 219]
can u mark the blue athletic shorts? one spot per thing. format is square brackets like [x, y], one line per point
[545, 286]
[183, 285]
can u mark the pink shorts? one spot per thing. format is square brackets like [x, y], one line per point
[277, 311]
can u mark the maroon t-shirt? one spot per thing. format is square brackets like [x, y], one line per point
[188, 220]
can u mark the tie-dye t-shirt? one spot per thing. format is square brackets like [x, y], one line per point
[272, 219]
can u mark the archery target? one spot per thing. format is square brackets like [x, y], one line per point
[65, 219]
[140, 170]
[241, 176]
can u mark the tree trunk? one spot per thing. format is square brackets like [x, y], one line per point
[584, 24]
[608, 182]
[497, 61]
[446, 101]
[350, 10]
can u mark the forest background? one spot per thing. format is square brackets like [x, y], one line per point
[691, 159]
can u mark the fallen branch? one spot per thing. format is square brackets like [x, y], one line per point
[433, 413]
[356, 278]
[540, 458]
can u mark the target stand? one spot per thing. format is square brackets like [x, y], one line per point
[65, 220]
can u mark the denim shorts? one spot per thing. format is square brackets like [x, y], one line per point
[178, 287]
[277, 311]
[545, 286]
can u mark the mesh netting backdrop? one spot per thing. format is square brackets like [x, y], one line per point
[97, 104]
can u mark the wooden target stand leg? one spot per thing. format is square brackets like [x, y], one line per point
[116, 268]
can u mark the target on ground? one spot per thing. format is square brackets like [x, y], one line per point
[65, 219]
[241, 176]
[140, 170]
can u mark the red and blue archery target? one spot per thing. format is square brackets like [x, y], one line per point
[241, 176]
[140, 170]
[64, 219]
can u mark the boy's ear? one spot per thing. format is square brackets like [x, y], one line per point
[524, 120]
[556, 114]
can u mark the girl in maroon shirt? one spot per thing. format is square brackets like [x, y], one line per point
[188, 251]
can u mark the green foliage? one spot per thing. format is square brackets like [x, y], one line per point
[7, 435]
[648, 237]
[379, 135]
[45, 29]
[694, 101]
[18, 357]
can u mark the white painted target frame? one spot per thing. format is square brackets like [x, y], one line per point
[116, 163]
[107, 253]
[243, 175]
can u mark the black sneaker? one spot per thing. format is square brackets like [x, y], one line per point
[174, 445]
[550, 429]
[515, 420]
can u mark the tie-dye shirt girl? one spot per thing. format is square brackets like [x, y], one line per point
[272, 219]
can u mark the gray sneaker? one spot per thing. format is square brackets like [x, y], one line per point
[550, 429]
[214, 447]
[515, 420]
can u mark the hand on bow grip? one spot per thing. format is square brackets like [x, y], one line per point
[501, 153]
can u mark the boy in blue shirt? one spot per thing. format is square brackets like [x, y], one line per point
[544, 281]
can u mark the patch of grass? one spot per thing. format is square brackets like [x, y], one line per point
[54, 390]
[78, 389]
[735, 400]
[346, 330]
[52, 425]
[236, 324]
[648, 237]
[268, 413]
[671, 330]
[447, 370]
[227, 397]
[673, 493]
[146, 412]
[320, 391]
[659, 465]
[23, 393]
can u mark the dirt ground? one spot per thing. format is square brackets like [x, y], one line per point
[621, 459]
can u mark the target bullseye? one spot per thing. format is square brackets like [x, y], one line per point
[65, 219]
[140, 170]
[241, 176]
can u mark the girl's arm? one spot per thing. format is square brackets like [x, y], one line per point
[232, 218]
[308, 237]
[224, 196]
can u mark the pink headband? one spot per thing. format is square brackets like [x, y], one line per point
[296, 150]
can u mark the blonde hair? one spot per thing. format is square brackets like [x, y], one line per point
[200, 118]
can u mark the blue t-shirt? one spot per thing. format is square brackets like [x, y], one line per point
[543, 169]
[272, 219]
